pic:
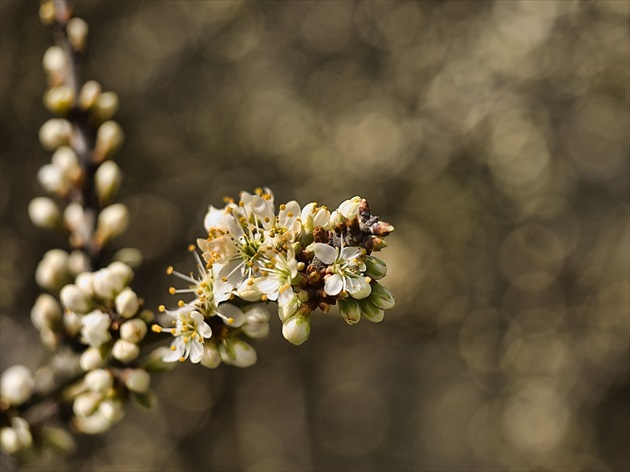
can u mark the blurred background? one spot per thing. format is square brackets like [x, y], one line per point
[493, 135]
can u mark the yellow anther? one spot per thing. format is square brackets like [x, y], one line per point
[230, 320]
[258, 191]
[181, 303]
[283, 207]
[224, 279]
[169, 270]
[173, 348]
[263, 297]
[161, 308]
[368, 279]
[266, 196]
[267, 220]
[250, 282]
[172, 290]
[182, 359]
[173, 330]
[186, 340]
[156, 328]
[191, 247]
[290, 214]
[241, 203]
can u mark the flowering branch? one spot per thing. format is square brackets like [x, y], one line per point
[101, 334]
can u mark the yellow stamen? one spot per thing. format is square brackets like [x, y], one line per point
[173, 348]
[283, 207]
[230, 320]
[181, 303]
[156, 328]
[172, 290]
[258, 191]
[173, 331]
[368, 279]
[161, 308]
[186, 340]
[182, 359]
[169, 270]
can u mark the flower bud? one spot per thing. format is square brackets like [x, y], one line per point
[238, 353]
[107, 180]
[94, 424]
[257, 322]
[91, 359]
[74, 299]
[122, 271]
[211, 356]
[350, 310]
[77, 30]
[59, 99]
[109, 138]
[53, 180]
[89, 93]
[112, 221]
[44, 213]
[108, 283]
[288, 310]
[86, 403]
[52, 271]
[95, 329]
[78, 263]
[55, 133]
[111, 410]
[371, 311]
[76, 220]
[17, 437]
[46, 313]
[55, 61]
[16, 384]
[375, 267]
[99, 380]
[72, 323]
[297, 329]
[381, 297]
[130, 256]
[125, 351]
[349, 209]
[106, 106]
[133, 330]
[137, 380]
[126, 303]
[47, 13]
[66, 160]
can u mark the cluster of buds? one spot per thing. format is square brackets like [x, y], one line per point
[302, 258]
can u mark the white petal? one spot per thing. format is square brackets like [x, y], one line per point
[325, 253]
[175, 354]
[205, 330]
[333, 285]
[350, 252]
[215, 218]
[230, 311]
[196, 351]
[358, 287]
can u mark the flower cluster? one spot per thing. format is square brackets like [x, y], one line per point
[302, 258]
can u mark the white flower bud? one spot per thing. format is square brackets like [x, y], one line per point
[112, 221]
[109, 138]
[47, 13]
[211, 356]
[95, 330]
[78, 262]
[55, 61]
[75, 299]
[72, 323]
[99, 380]
[89, 93]
[297, 329]
[9, 441]
[52, 271]
[125, 351]
[122, 270]
[77, 30]
[44, 213]
[53, 180]
[46, 313]
[67, 161]
[94, 424]
[350, 310]
[106, 106]
[17, 437]
[257, 322]
[126, 303]
[75, 219]
[91, 359]
[287, 311]
[249, 293]
[111, 410]
[107, 180]
[130, 256]
[55, 133]
[48, 338]
[16, 384]
[349, 209]
[85, 281]
[108, 283]
[238, 353]
[137, 380]
[133, 330]
[86, 403]
[59, 99]
[382, 298]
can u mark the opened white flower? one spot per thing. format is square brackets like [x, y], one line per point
[275, 282]
[345, 270]
[190, 330]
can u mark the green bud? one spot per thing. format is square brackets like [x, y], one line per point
[371, 311]
[382, 297]
[350, 310]
[375, 267]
